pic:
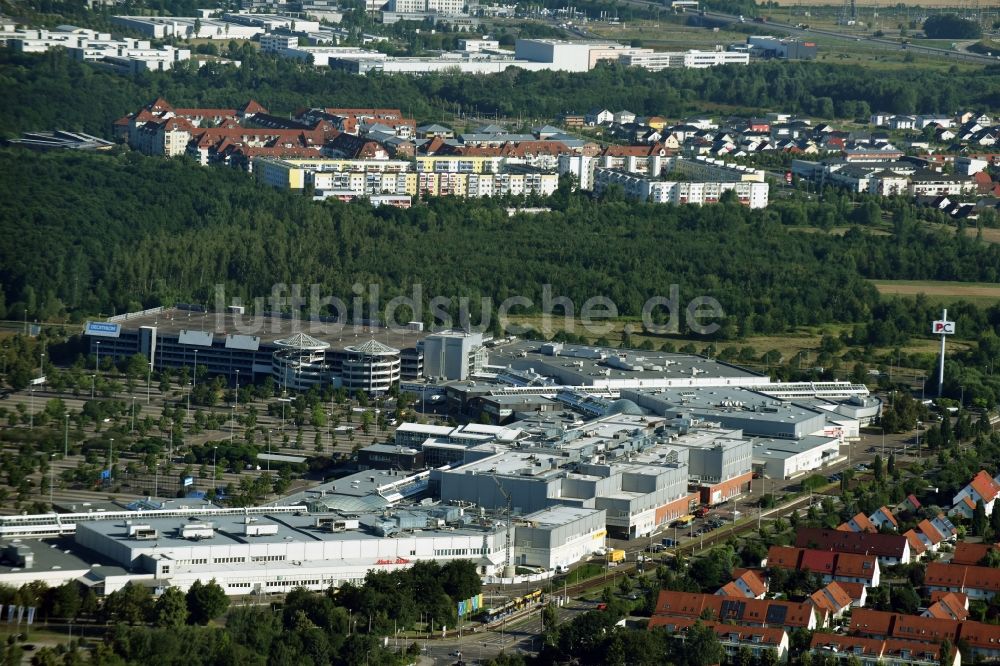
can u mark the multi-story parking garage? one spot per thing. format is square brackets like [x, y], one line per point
[246, 348]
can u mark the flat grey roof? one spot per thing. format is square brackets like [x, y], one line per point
[52, 554]
[786, 448]
[582, 365]
[171, 321]
[230, 530]
[737, 402]
[559, 515]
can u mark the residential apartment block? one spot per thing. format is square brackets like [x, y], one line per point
[754, 195]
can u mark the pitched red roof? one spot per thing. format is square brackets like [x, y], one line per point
[851, 565]
[818, 561]
[739, 611]
[950, 605]
[251, 108]
[832, 598]
[927, 528]
[931, 630]
[880, 545]
[783, 557]
[863, 523]
[983, 484]
[854, 590]
[159, 105]
[917, 546]
[754, 580]
[971, 553]
[847, 565]
[962, 577]
[866, 621]
[635, 151]
[888, 514]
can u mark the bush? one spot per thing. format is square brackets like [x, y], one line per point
[951, 26]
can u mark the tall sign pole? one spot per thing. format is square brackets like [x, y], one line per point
[944, 328]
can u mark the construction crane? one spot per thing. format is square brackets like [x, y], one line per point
[507, 540]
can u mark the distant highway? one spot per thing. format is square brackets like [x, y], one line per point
[880, 42]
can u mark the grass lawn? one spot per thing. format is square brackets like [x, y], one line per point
[980, 293]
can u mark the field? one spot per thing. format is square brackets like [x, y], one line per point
[867, 6]
[804, 340]
[982, 294]
[672, 33]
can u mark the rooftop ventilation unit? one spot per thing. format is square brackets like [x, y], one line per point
[197, 531]
[142, 532]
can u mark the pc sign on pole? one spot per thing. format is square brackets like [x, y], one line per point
[942, 327]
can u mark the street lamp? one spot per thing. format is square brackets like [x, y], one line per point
[237, 388]
[92, 379]
[214, 450]
[111, 457]
[52, 469]
[31, 393]
[194, 375]
[133, 414]
[66, 439]
[97, 358]
[268, 451]
[41, 367]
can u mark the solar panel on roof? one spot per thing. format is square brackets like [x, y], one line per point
[776, 614]
[732, 609]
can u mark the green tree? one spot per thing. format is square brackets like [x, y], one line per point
[702, 646]
[170, 609]
[979, 523]
[205, 602]
[131, 604]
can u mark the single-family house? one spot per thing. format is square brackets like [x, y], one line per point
[981, 487]
[858, 523]
[889, 548]
[748, 584]
[883, 517]
[948, 605]
[832, 599]
[599, 117]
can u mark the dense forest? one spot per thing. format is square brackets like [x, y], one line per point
[53, 91]
[88, 234]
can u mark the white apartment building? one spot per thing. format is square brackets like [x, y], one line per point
[754, 195]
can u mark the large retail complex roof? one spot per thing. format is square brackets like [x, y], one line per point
[582, 365]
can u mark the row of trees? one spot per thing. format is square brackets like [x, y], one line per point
[107, 244]
[284, 85]
[339, 627]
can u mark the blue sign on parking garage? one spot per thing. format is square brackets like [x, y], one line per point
[102, 329]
